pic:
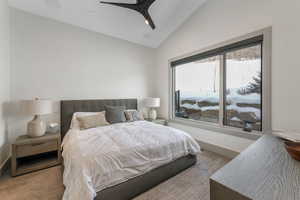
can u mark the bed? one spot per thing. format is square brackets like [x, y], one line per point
[133, 186]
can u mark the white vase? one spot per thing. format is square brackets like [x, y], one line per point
[152, 114]
[36, 127]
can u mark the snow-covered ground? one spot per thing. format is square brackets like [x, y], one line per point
[233, 99]
[214, 97]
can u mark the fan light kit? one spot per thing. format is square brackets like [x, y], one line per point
[141, 6]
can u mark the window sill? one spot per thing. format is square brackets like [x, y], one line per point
[254, 135]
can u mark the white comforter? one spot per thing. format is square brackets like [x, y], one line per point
[101, 157]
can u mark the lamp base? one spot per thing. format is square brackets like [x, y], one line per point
[36, 127]
[152, 114]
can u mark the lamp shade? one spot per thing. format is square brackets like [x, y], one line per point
[37, 107]
[152, 102]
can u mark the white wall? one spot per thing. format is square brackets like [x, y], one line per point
[219, 21]
[286, 65]
[59, 61]
[4, 78]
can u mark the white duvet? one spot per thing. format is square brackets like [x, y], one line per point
[101, 157]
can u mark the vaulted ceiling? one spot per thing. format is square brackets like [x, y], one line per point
[118, 22]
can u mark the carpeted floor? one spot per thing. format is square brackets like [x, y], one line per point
[192, 184]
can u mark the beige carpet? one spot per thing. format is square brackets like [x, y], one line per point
[192, 184]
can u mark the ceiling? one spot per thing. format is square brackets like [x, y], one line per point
[121, 23]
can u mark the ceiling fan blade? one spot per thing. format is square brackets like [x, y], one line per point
[149, 19]
[141, 6]
[148, 3]
[123, 5]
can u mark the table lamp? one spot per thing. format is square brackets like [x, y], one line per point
[152, 103]
[37, 107]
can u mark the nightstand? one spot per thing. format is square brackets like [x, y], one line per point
[31, 154]
[160, 121]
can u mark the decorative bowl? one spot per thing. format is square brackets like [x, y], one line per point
[293, 148]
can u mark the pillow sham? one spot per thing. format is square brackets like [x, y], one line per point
[74, 122]
[133, 115]
[115, 114]
[92, 121]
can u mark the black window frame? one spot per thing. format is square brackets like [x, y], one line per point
[222, 51]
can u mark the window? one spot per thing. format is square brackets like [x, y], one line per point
[243, 87]
[197, 90]
[222, 86]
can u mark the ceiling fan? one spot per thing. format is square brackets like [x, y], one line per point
[141, 6]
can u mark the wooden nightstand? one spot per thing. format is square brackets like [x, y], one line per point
[31, 154]
[159, 121]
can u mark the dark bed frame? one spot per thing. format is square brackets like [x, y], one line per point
[134, 186]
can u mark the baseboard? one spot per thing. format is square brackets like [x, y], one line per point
[227, 145]
[228, 153]
[5, 166]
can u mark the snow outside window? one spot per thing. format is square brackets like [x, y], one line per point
[224, 88]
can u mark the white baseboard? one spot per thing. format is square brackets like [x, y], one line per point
[223, 144]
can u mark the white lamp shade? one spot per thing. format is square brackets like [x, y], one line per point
[37, 107]
[152, 102]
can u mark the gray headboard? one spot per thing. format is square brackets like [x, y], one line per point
[67, 108]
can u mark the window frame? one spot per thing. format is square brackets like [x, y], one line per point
[220, 50]
[224, 85]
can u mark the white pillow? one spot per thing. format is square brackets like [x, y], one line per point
[92, 121]
[133, 115]
[75, 123]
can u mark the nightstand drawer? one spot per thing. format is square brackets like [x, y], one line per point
[36, 148]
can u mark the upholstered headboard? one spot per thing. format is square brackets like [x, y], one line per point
[67, 108]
